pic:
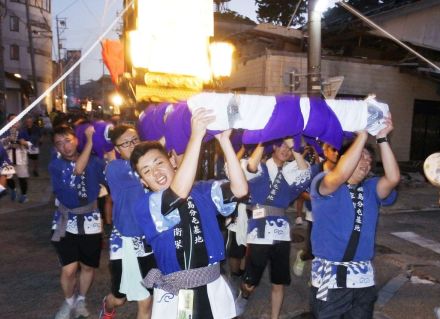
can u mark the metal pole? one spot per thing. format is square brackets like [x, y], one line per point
[31, 47]
[2, 70]
[294, 14]
[386, 33]
[60, 65]
[314, 51]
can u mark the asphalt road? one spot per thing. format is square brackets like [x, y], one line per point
[29, 271]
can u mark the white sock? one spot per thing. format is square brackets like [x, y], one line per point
[80, 297]
[71, 300]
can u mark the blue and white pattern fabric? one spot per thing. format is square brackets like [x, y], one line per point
[73, 190]
[116, 245]
[125, 189]
[267, 230]
[162, 222]
[295, 181]
[223, 208]
[275, 187]
[360, 274]
[84, 224]
[160, 231]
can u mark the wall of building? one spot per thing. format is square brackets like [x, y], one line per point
[417, 23]
[40, 19]
[267, 75]
[397, 89]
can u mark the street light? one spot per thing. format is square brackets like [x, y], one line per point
[117, 99]
[321, 5]
[221, 58]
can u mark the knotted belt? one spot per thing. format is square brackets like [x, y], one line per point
[325, 271]
[184, 279]
[61, 225]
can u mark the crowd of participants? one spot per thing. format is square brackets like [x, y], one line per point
[19, 156]
[166, 245]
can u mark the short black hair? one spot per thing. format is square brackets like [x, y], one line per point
[10, 115]
[367, 146]
[118, 130]
[370, 148]
[63, 130]
[143, 148]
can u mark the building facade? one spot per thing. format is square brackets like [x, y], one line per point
[26, 39]
[271, 61]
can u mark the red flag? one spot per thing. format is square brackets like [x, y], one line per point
[113, 56]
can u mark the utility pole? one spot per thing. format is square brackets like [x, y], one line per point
[314, 50]
[60, 22]
[31, 47]
[2, 68]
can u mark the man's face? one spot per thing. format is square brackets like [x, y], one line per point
[282, 153]
[66, 145]
[29, 122]
[155, 170]
[126, 143]
[363, 168]
[331, 153]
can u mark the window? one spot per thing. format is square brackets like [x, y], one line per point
[14, 52]
[14, 24]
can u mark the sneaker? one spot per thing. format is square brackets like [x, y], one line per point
[65, 311]
[299, 220]
[13, 195]
[80, 309]
[104, 314]
[437, 312]
[240, 304]
[23, 199]
[298, 265]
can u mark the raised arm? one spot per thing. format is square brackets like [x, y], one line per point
[239, 185]
[299, 158]
[186, 173]
[392, 173]
[83, 158]
[345, 167]
[241, 152]
[255, 158]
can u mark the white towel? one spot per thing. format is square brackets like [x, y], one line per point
[254, 110]
[131, 277]
[352, 114]
[241, 228]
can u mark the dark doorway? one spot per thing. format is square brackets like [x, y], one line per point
[425, 137]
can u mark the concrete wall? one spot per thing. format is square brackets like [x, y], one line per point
[397, 89]
[266, 75]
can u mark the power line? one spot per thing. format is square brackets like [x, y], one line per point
[70, 5]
